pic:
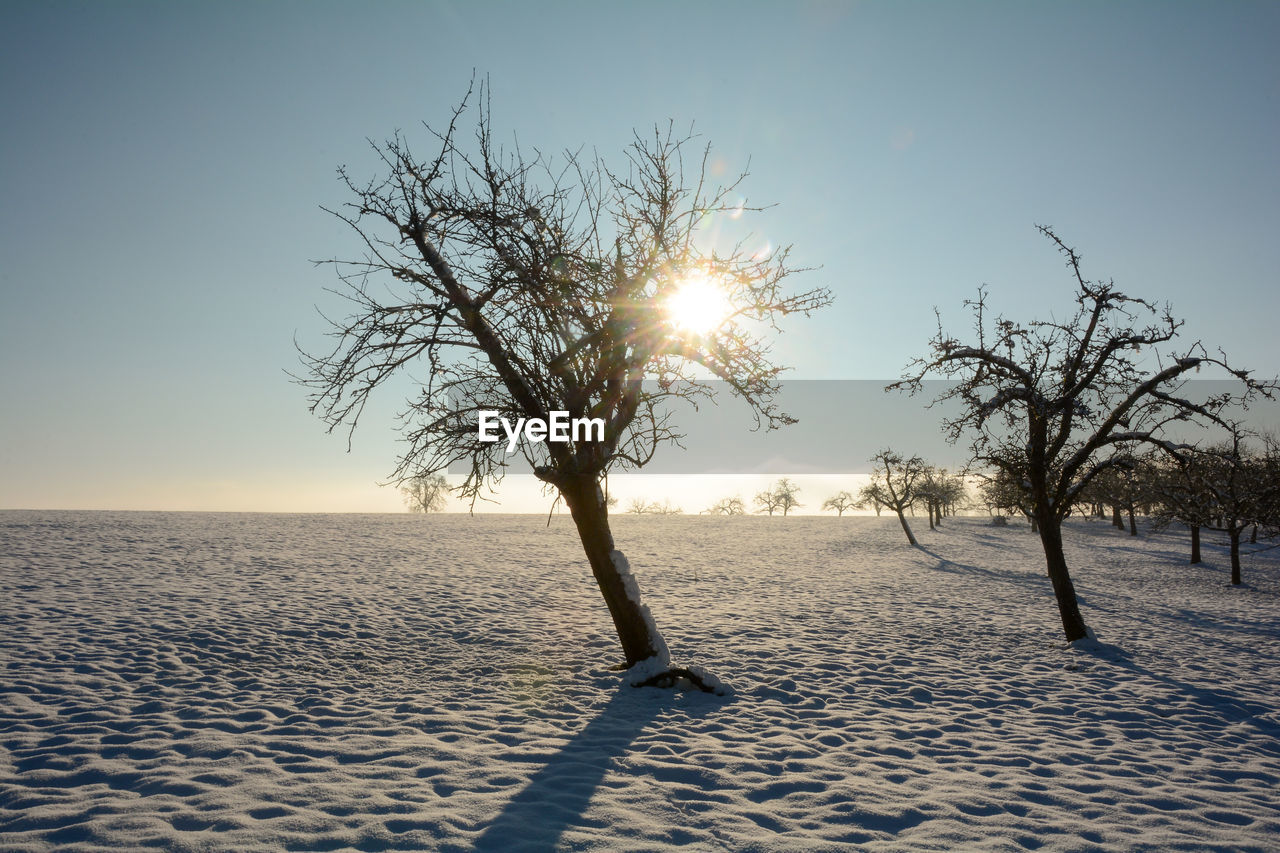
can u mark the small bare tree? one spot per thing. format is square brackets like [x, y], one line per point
[895, 482]
[870, 496]
[767, 501]
[727, 506]
[638, 506]
[1240, 486]
[788, 494]
[1002, 494]
[666, 508]
[840, 502]
[426, 493]
[525, 285]
[1056, 403]
[783, 497]
[1182, 494]
[939, 491]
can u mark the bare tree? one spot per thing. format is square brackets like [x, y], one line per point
[1182, 495]
[1056, 403]
[727, 506]
[1001, 493]
[426, 493]
[1108, 489]
[666, 508]
[784, 497]
[767, 501]
[526, 285]
[788, 494]
[840, 502]
[869, 495]
[939, 491]
[896, 482]
[1238, 488]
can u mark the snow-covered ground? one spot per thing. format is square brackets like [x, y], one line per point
[391, 682]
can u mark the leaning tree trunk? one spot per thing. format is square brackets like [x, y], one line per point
[1063, 589]
[906, 528]
[1195, 544]
[636, 629]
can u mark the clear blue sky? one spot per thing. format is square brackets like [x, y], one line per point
[164, 166]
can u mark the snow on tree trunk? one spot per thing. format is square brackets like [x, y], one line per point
[641, 640]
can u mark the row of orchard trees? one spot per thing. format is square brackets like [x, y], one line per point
[902, 483]
[1055, 407]
[1230, 486]
[896, 483]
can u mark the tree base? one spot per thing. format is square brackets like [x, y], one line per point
[670, 677]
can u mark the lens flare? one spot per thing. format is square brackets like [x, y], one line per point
[698, 305]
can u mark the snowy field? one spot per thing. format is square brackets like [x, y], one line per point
[392, 682]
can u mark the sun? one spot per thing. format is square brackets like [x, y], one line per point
[698, 305]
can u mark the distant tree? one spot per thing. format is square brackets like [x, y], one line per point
[870, 496]
[1055, 403]
[1002, 494]
[524, 285]
[840, 502]
[783, 497]
[896, 481]
[939, 491]
[788, 495]
[727, 506]
[767, 501]
[933, 494]
[955, 493]
[665, 508]
[1241, 487]
[426, 493]
[1180, 486]
[1107, 489]
[1134, 485]
[1269, 474]
[639, 506]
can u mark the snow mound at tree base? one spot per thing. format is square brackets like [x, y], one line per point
[656, 672]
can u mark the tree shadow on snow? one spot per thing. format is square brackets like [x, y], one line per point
[1035, 577]
[556, 796]
[1217, 706]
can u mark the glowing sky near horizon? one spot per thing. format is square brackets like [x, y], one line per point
[165, 165]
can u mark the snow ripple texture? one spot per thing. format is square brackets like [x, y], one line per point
[200, 682]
